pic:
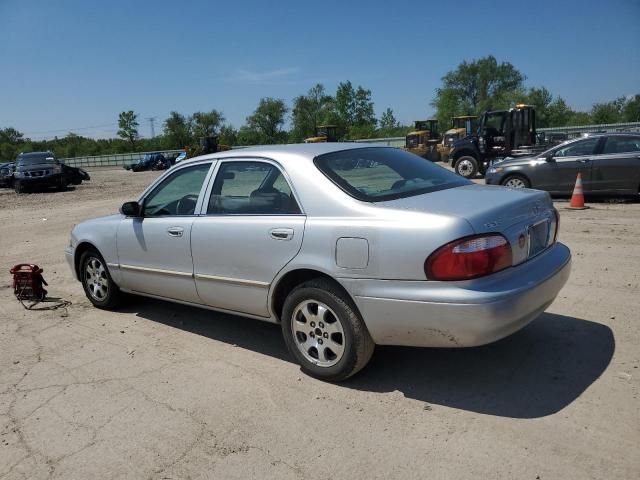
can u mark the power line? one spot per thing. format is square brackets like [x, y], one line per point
[44, 132]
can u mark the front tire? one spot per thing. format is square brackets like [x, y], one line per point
[18, 187]
[466, 166]
[324, 331]
[516, 181]
[96, 280]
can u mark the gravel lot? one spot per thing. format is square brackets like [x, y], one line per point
[165, 391]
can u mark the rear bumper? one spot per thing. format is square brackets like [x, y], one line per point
[461, 314]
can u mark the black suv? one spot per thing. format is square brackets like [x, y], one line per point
[42, 169]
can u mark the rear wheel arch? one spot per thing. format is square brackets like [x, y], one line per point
[294, 278]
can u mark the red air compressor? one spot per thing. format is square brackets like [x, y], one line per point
[28, 283]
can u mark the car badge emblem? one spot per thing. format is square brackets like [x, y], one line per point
[521, 240]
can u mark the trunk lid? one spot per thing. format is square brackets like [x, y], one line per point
[525, 217]
[487, 208]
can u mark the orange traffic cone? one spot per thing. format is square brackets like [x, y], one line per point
[577, 199]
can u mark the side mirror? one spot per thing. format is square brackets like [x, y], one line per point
[131, 209]
[549, 157]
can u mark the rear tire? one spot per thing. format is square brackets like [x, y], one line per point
[466, 166]
[324, 331]
[516, 181]
[18, 187]
[97, 283]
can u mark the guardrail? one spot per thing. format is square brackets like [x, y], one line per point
[119, 159]
[604, 128]
[114, 160]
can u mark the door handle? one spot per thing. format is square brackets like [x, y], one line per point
[175, 231]
[281, 233]
[584, 160]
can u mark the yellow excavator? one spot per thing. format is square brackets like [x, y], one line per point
[423, 141]
[461, 127]
[324, 133]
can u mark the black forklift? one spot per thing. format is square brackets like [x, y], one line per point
[501, 134]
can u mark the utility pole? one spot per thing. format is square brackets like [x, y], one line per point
[151, 122]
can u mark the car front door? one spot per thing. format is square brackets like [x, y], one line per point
[567, 162]
[617, 168]
[252, 228]
[154, 249]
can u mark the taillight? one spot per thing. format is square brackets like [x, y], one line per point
[469, 257]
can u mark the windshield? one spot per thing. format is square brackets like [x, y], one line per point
[380, 174]
[35, 158]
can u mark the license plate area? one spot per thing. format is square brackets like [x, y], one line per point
[538, 236]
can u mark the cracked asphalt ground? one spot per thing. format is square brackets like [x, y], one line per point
[164, 391]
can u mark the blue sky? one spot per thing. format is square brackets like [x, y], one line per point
[74, 64]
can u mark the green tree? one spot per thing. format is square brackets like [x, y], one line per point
[364, 114]
[267, 121]
[354, 108]
[631, 110]
[388, 120]
[207, 124]
[11, 135]
[309, 111]
[345, 104]
[128, 127]
[559, 114]
[228, 135]
[608, 112]
[177, 131]
[476, 86]
[550, 111]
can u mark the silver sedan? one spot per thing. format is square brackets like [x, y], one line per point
[345, 246]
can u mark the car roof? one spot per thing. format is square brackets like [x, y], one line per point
[308, 151]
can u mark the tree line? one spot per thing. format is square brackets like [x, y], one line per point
[470, 89]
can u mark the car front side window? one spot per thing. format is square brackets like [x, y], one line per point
[251, 188]
[178, 194]
[577, 149]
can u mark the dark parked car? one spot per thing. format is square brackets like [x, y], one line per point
[42, 169]
[6, 174]
[609, 164]
[150, 161]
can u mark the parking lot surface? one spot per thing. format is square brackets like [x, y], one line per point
[159, 390]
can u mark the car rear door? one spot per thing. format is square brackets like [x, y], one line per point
[154, 250]
[251, 228]
[568, 161]
[617, 168]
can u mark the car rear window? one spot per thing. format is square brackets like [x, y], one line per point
[380, 174]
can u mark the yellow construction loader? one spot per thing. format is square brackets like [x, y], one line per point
[461, 127]
[423, 141]
[324, 133]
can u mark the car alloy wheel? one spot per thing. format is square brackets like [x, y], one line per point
[96, 280]
[318, 333]
[515, 183]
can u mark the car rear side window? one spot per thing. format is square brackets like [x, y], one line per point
[251, 188]
[380, 174]
[622, 145]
